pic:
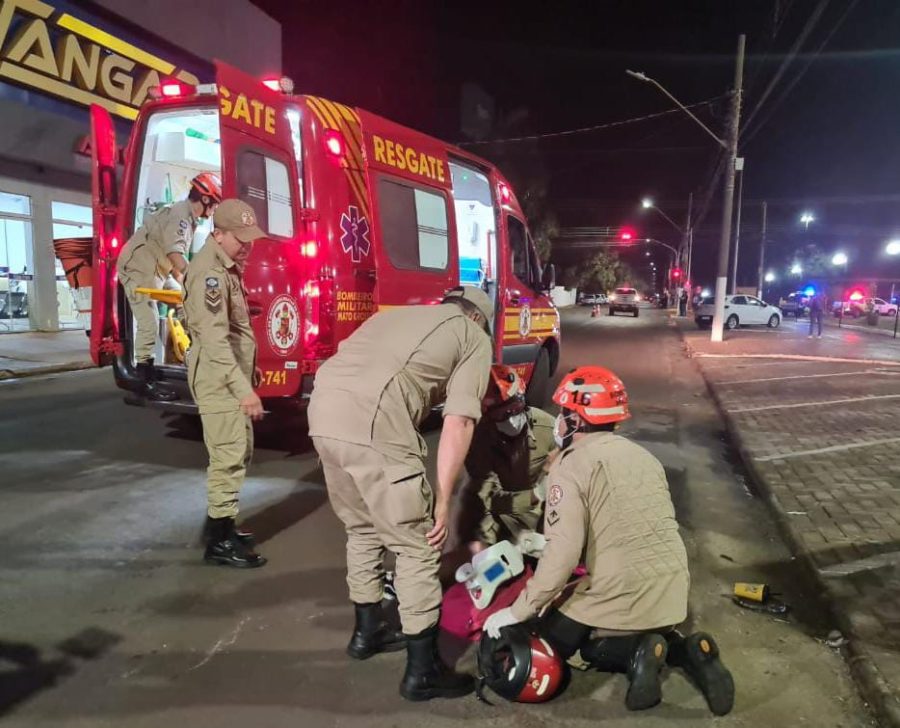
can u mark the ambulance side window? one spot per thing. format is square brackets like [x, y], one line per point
[413, 226]
[518, 248]
[265, 185]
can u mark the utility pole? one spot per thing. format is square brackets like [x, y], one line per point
[737, 224]
[762, 255]
[686, 241]
[728, 201]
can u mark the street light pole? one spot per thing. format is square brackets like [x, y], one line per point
[737, 226]
[728, 202]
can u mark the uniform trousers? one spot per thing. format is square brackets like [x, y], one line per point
[229, 442]
[146, 316]
[385, 504]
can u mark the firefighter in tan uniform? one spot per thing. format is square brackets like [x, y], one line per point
[222, 373]
[159, 247]
[367, 405]
[608, 503]
[511, 452]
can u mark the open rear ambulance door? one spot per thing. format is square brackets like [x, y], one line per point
[104, 332]
[415, 251]
[259, 166]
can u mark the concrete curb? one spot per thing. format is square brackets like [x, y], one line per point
[49, 369]
[872, 685]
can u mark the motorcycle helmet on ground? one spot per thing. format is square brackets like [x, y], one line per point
[519, 666]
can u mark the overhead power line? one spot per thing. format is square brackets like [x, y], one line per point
[585, 129]
[750, 133]
[798, 43]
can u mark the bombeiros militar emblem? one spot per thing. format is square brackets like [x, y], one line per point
[525, 320]
[283, 325]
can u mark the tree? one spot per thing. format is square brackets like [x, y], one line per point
[813, 260]
[523, 166]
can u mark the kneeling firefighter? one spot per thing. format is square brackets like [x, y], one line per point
[510, 455]
[608, 499]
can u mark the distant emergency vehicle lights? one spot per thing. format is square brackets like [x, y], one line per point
[809, 291]
[334, 142]
[856, 295]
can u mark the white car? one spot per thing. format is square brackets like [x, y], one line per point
[740, 310]
[624, 299]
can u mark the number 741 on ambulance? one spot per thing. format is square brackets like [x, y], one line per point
[360, 213]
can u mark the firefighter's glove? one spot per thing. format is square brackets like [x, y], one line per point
[499, 620]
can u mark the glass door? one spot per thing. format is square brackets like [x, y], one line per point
[73, 223]
[16, 265]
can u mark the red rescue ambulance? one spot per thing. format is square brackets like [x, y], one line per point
[360, 213]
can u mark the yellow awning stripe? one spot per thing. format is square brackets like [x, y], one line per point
[106, 40]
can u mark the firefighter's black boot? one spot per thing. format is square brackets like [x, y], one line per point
[224, 547]
[246, 537]
[372, 634]
[698, 656]
[640, 657]
[150, 388]
[426, 675]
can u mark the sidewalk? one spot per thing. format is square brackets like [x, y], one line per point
[33, 353]
[817, 423]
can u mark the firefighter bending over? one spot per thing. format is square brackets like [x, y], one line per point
[159, 247]
[608, 500]
[364, 416]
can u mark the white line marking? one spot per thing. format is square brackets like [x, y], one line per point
[802, 376]
[832, 448]
[222, 644]
[867, 398]
[798, 357]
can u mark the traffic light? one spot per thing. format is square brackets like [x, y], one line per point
[676, 274]
[626, 235]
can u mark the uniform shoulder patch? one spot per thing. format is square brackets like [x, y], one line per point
[213, 295]
[554, 495]
[552, 517]
[183, 225]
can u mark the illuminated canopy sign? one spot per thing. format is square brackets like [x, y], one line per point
[53, 51]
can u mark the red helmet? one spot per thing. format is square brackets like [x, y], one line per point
[595, 393]
[519, 666]
[506, 394]
[207, 183]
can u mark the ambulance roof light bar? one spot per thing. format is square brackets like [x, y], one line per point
[174, 89]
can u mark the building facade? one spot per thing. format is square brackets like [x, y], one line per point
[58, 57]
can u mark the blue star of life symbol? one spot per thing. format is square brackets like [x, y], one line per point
[355, 239]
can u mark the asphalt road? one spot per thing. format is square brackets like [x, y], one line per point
[109, 617]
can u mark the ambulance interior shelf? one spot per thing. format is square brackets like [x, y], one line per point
[178, 145]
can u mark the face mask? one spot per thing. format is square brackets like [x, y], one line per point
[563, 431]
[512, 426]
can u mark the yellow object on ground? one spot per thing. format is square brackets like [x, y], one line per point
[181, 342]
[173, 298]
[753, 592]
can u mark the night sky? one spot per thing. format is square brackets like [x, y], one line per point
[825, 139]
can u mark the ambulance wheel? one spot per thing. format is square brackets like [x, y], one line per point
[537, 390]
